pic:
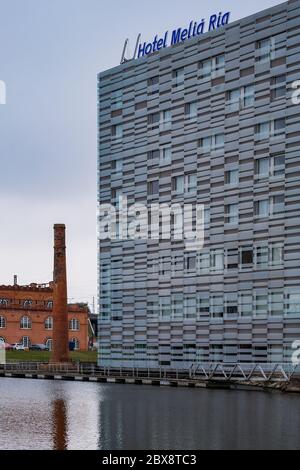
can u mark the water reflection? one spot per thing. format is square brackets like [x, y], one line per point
[59, 422]
[66, 415]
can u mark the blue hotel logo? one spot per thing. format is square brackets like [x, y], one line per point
[180, 35]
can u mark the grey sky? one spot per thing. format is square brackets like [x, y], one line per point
[50, 54]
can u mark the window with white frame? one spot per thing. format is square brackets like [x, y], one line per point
[25, 323]
[276, 254]
[232, 213]
[262, 257]
[74, 324]
[26, 342]
[217, 260]
[4, 302]
[76, 343]
[49, 323]
[2, 322]
[49, 344]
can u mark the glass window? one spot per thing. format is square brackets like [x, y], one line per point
[262, 130]
[165, 308]
[276, 254]
[76, 343]
[278, 165]
[117, 99]
[262, 167]
[117, 131]
[25, 323]
[153, 81]
[49, 344]
[232, 177]
[234, 99]
[248, 96]
[178, 184]
[245, 304]
[261, 304]
[191, 262]
[191, 110]
[153, 309]
[232, 213]
[203, 305]
[276, 303]
[166, 155]
[154, 118]
[49, 323]
[204, 262]
[217, 260]
[191, 182]
[293, 303]
[279, 126]
[165, 120]
[278, 204]
[179, 77]
[2, 322]
[217, 306]
[262, 257]
[219, 141]
[206, 144]
[177, 308]
[206, 68]
[190, 307]
[153, 188]
[26, 342]
[246, 257]
[261, 208]
[74, 325]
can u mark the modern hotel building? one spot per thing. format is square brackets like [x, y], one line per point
[208, 121]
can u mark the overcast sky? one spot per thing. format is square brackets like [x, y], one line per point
[50, 54]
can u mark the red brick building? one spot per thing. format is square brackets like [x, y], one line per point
[26, 316]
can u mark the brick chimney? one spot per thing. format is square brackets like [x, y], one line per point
[60, 300]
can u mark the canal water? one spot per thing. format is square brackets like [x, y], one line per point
[67, 415]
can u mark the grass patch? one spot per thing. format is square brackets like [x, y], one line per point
[44, 356]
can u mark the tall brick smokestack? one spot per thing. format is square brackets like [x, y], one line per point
[60, 298]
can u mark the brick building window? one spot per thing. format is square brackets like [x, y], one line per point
[49, 323]
[4, 302]
[27, 303]
[25, 323]
[49, 344]
[26, 342]
[74, 324]
[76, 343]
[2, 322]
[50, 304]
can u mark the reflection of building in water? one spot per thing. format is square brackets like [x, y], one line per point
[60, 427]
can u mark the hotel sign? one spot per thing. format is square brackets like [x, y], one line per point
[194, 29]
